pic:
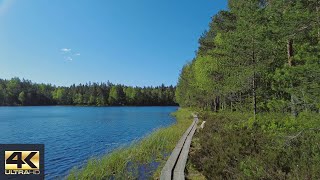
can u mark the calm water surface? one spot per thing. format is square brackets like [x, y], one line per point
[74, 134]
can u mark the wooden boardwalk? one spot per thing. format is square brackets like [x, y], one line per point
[175, 165]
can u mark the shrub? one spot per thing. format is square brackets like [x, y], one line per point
[275, 146]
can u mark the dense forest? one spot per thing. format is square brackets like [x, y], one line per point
[260, 55]
[255, 80]
[16, 92]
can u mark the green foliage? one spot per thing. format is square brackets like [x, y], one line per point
[277, 105]
[116, 96]
[2, 94]
[274, 146]
[204, 69]
[131, 95]
[24, 92]
[59, 95]
[22, 97]
[12, 90]
[261, 55]
[185, 90]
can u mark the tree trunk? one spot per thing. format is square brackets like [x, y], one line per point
[231, 107]
[318, 20]
[254, 95]
[254, 81]
[290, 52]
[224, 104]
[214, 106]
[217, 102]
[290, 63]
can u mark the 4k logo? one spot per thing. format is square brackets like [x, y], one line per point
[22, 160]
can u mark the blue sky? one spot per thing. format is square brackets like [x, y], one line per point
[140, 42]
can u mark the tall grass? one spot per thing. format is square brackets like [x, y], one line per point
[126, 163]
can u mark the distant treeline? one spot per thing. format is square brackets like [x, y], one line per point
[17, 92]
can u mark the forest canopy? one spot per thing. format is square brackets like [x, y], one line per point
[259, 55]
[24, 92]
[255, 80]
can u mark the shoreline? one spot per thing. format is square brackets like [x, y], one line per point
[144, 158]
[87, 106]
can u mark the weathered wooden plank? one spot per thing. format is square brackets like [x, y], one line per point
[178, 173]
[167, 171]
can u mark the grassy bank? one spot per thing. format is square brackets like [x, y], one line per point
[275, 146]
[136, 160]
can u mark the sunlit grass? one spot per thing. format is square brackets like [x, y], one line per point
[124, 163]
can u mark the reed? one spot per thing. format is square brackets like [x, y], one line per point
[149, 153]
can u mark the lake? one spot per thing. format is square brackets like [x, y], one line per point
[74, 134]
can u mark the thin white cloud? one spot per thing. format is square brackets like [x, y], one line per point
[65, 50]
[68, 54]
[68, 58]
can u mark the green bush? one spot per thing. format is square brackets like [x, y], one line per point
[278, 105]
[275, 146]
